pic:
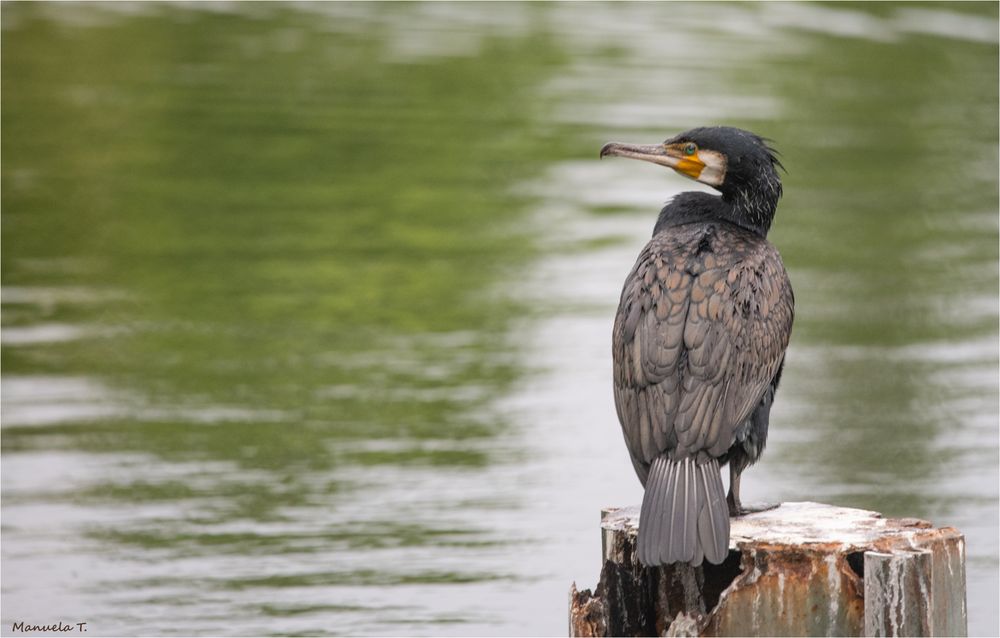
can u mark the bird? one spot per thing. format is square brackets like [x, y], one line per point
[699, 340]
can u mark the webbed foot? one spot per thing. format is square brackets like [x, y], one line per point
[742, 510]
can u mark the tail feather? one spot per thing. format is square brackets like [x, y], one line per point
[683, 538]
[646, 544]
[713, 520]
[684, 516]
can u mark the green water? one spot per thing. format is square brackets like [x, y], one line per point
[306, 310]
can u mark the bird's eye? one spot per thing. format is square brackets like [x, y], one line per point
[690, 149]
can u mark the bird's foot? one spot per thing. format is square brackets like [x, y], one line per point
[742, 510]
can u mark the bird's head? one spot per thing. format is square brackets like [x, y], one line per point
[737, 163]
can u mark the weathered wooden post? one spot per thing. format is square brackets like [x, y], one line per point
[802, 569]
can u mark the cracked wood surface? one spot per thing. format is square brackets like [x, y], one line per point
[801, 569]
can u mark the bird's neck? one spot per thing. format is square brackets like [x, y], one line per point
[753, 213]
[752, 206]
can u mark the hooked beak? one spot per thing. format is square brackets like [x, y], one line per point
[661, 154]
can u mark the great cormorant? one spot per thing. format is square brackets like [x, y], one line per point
[699, 340]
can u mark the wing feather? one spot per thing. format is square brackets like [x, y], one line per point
[694, 346]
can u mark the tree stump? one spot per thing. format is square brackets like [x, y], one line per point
[802, 569]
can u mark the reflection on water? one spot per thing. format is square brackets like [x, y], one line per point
[306, 310]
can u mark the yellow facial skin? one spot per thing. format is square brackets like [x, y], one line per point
[688, 163]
